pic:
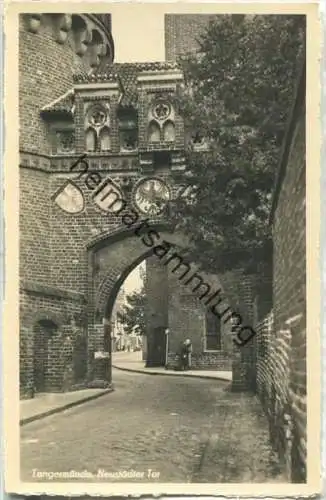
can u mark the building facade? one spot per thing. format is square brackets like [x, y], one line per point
[101, 159]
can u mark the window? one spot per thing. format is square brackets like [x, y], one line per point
[91, 140]
[97, 128]
[128, 140]
[161, 126]
[128, 129]
[213, 333]
[105, 140]
[154, 132]
[65, 141]
[169, 132]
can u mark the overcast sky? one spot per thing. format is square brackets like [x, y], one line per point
[138, 37]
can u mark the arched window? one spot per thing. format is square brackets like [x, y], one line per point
[90, 140]
[154, 132]
[105, 140]
[169, 131]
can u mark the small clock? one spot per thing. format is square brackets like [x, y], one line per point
[151, 196]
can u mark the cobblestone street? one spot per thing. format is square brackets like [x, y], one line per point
[183, 429]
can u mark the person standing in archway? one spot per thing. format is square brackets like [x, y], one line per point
[186, 350]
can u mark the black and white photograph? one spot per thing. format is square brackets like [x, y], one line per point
[167, 228]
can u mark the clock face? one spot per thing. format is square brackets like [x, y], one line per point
[151, 196]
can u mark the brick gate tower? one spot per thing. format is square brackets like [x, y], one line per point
[52, 47]
[101, 160]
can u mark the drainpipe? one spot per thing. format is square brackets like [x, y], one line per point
[108, 349]
[167, 331]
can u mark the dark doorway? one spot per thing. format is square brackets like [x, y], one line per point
[80, 358]
[43, 332]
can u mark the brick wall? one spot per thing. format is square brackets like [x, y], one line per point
[47, 66]
[289, 280]
[182, 32]
[240, 292]
[290, 235]
[34, 225]
[39, 306]
[187, 319]
[112, 262]
[281, 339]
[274, 380]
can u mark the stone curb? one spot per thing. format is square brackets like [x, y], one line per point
[59, 409]
[134, 370]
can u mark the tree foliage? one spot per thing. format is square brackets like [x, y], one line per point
[237, 97]
[132, 315]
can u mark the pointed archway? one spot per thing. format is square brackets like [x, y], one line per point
[112, 257]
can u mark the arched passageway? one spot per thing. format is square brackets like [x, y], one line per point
[112, 258]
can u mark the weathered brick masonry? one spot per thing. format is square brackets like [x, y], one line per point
[281, 338]
[74, 255]
[182, 33]
[50, 52]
